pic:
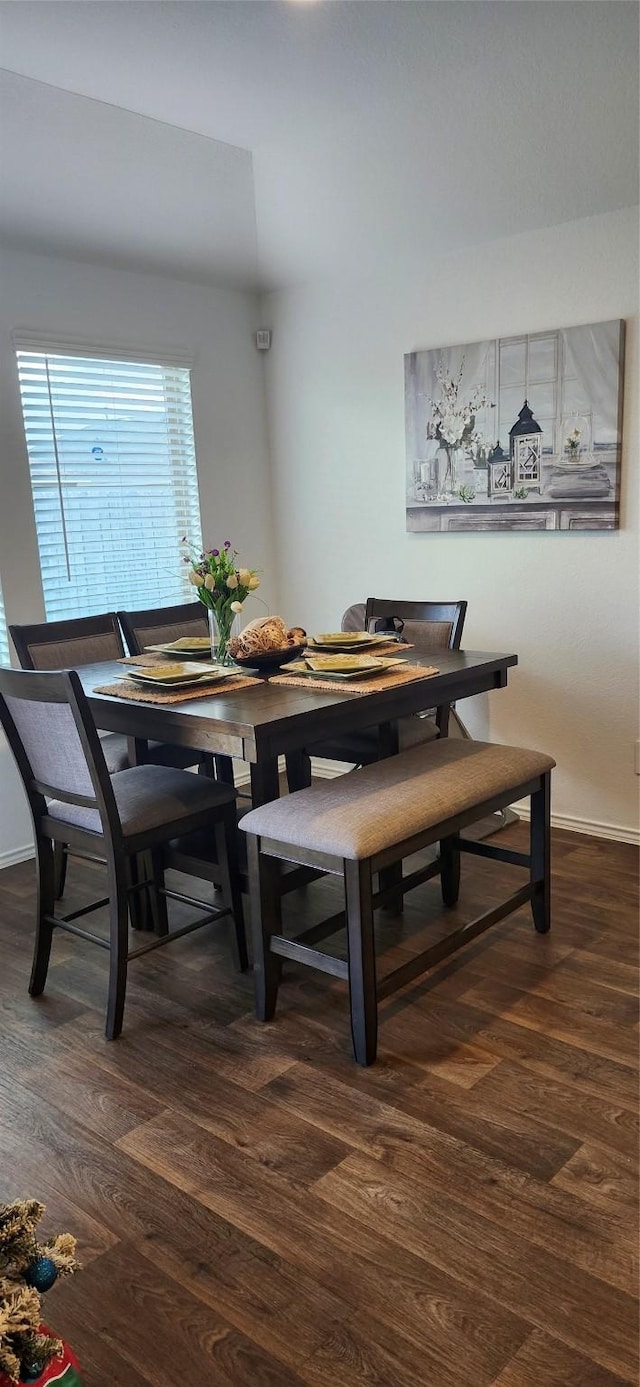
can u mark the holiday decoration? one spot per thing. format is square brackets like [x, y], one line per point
[29, 1353]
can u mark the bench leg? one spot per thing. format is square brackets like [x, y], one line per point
[450, 869]
[266, 919]
[541, 855]
[362, 960]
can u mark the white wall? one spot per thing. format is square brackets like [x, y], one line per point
[567, 603]
[85, 303]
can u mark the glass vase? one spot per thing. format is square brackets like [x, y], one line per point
[222, 626]
[450, 470]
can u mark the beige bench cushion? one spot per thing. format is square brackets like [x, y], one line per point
[359, 814]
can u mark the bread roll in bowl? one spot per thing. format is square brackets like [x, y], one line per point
[264, 634]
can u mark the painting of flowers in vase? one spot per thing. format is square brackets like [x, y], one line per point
[516, 433]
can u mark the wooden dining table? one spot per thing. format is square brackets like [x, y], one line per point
[259, 724]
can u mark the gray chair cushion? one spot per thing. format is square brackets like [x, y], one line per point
[358, 815]
[147, 797]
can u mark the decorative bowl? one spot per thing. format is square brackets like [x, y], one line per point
[268, 660]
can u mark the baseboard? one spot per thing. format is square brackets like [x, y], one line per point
[11, 856]
[591, 828]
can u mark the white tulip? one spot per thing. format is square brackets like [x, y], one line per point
[232, 581]
[195, 578]
[244, 574]
[209, 582]
[236, 606]
[254, 582]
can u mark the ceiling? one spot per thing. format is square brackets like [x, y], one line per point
[337, 134]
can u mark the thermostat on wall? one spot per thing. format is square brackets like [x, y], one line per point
[263, 339]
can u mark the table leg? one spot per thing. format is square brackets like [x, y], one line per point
[388, 745]
[265, 782]
[298, 770]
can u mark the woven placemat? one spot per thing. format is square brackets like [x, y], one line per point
[360, 686]
[140, 695]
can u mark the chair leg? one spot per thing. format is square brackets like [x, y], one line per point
[389, 745]
[266, 917]
[450, 869]
[540, 840]
[60, 859]
[141, 903]
[157, 901]
[298, 764]
[227, 857]
[363, 1000]
[44, 927]
[118, 946]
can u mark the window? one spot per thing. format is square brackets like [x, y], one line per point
[4, 639]
[528, 368]
[113, 475]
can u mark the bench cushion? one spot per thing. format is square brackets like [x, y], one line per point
[362, 813]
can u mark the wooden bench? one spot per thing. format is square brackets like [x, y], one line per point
[366, 823]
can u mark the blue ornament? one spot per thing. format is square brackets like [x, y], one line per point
[41, 1274]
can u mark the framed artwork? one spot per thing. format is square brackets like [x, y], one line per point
[516, 433]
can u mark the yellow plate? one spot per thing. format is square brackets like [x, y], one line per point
[166, 675]
[347, 640]
[373, 667]
[342, 664]
[185, 645]
[342, 638]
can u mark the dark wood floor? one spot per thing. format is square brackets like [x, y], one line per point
[253, 1209]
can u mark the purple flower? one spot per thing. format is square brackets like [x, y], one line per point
[216, 553]
[227, 544]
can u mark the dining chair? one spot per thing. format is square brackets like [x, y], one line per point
[159, 626]
[114, 818]
[430, 627]
[54, 645]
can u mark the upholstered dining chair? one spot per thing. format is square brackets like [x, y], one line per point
[159, 626]
[52, 645]
[430, 627]
[114, 818]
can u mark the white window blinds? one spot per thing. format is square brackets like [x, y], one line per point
[113, 474]
[4, 639]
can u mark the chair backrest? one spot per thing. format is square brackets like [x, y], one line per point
[80, 640]
[159, 624]
[54, 740]
[353, 619]
[427, 625]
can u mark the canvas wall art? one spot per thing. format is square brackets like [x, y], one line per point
[516, 433]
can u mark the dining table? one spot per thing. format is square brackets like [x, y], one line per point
[270, 719]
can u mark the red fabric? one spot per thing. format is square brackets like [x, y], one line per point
[63, 1371]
